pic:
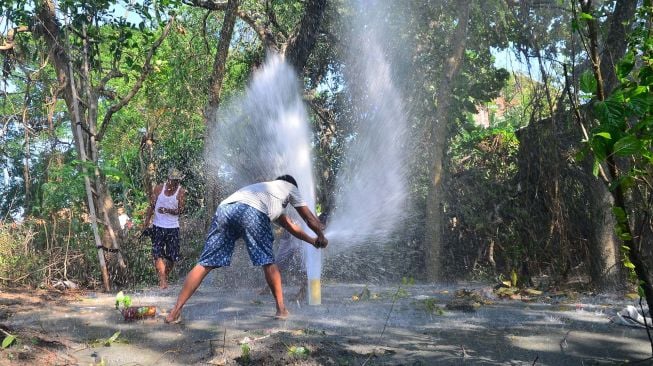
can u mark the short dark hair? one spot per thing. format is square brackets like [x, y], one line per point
[287, 178]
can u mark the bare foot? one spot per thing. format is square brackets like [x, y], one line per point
[282, 314]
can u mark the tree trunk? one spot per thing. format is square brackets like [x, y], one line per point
[105, 207]
[438, 138]
[615, 44]
[77, 127]
[296, 51]
[634, 255]
[148, 167]
[213, 187]
[301, 43]
[50, 31]
[605, 267]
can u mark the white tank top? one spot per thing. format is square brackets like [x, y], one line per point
[166, 220]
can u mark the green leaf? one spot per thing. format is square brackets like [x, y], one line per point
[114, 173]
[627, 182]
[585, 16]
[619, 214]
[112, 339]
[625, 236]
[641, 103]
[625, 66]
[640, 291]
[600, 148]
[611, 111]
[646, 75]
[8, 341]
[627, 145]
[605, 135]
[629, 265]
[123, 299]
[595, 168]
[574, 25]
[588, 82]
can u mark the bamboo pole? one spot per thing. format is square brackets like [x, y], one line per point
[87, 183]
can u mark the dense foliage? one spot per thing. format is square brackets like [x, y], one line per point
[516, 197]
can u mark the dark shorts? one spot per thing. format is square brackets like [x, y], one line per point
[165, 243]
[234, 221]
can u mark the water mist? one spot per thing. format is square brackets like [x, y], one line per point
[263, 134]
[372, 189]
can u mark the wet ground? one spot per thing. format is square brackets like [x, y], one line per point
[389, 325]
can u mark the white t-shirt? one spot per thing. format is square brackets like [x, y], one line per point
[124, 219]
[271, 197]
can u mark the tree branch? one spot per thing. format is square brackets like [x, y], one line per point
[301, 42]
[207, 4]
[264, 33]
[11, 34]
[139, 83]
[114, 73]
[220, 60]
[273, 19]
[253, 20]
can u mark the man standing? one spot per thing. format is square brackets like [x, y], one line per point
[166, 203]
[249, 214]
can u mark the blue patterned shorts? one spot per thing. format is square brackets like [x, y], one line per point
[231, 222]
[165, 243]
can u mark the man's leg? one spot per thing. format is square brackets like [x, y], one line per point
[171, 250]
[192, 282]
[273, 278]
[160, 265]
[169, 265]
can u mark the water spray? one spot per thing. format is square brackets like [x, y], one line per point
[263, 134]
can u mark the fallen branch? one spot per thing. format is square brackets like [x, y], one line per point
[387, 318]
[535, 360]
[563, 342]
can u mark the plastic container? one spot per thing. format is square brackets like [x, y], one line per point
[139, 312]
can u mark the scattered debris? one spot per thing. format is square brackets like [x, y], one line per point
[248, 340]
[431, 306]
[467, 300]
[366, 294]
[245, 355]
[8, 340]
[65, 284]
[107, 342]
[218, 361]
[300, 351]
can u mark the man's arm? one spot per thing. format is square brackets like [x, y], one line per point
[296, 230]
[314, 223]
[150, 208]
[181, 197]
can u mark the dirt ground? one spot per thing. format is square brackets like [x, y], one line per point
[355, 325]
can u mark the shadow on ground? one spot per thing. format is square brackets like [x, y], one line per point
[406, 327]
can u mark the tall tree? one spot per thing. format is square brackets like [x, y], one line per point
[296, 48]
[84, 75]
[438, 137]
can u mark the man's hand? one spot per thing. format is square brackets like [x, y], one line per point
[321, 242]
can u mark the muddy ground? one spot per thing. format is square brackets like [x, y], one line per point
[383, 325]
